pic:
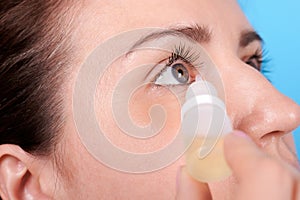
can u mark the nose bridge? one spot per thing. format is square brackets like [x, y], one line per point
[254, 105]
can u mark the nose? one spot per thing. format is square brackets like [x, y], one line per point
[256, 107]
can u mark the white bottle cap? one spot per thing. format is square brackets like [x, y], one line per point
[204, 114]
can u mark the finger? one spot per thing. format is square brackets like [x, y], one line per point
[296, 191]
[260, 176]
[242, 154]
[189, 188]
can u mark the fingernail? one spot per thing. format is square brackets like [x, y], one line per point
[241, 134]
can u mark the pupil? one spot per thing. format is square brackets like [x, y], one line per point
[180, 71]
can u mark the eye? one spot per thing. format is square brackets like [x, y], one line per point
[255, 60]
[180, 68]
[180, 73]
[176, 74]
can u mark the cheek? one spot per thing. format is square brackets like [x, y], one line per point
[139, 105]
[145, 98]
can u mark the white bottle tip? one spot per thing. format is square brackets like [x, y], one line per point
[200, 88]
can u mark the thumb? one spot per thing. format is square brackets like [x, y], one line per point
[189, 188]
[242, 154]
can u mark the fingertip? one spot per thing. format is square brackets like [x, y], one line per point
[241, 153]
[238, 134]
[235, 138]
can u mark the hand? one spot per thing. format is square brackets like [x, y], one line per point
[259, 176]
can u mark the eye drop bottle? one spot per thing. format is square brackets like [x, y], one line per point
[204, 125]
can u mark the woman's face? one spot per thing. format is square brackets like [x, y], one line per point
[253, 105]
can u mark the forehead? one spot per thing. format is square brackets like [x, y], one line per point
[100, 20]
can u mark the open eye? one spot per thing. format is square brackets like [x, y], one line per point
[180, 69]
[255, 60]
[176, 74]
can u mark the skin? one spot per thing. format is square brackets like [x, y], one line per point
[253, 104]
[277, 179]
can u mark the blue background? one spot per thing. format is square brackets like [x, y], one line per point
[278, 22]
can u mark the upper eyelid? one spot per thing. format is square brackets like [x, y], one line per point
[259, 55]
[187, 54]
[252, 48]
[191, 68]
[166, 64]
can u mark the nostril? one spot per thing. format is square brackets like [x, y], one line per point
[282, 146]
[270, 136]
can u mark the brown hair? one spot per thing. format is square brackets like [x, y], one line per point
[33, 51]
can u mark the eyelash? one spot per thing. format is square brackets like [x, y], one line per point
[266, 69]
[189, 57]
[258, 56]
[184, 54]
[262, 58]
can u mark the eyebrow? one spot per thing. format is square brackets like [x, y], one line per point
[249, 36]
[195, 32]
[199, 33]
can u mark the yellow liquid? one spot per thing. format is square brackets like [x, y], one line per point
[212, 167]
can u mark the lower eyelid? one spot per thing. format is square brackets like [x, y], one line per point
[160, 90]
